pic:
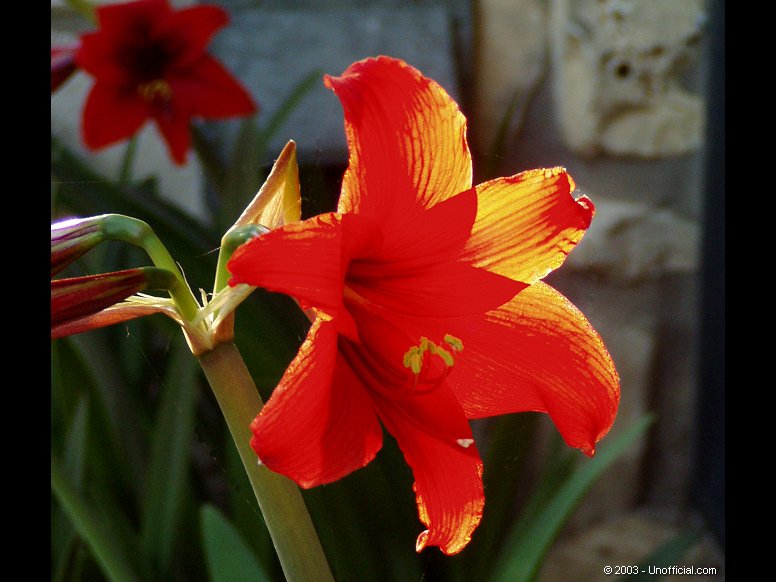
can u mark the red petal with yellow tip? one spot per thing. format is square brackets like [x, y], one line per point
[527, 224]
[448, 475]
[538, 353]
[406, 138]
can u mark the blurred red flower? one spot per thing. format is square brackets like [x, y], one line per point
[427, 306]
[149, 63]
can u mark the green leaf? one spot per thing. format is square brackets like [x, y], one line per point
[244, 174]
[528, 542]
[115, 416]
[90, 526]
[510, 438]
[289, 104]
[171, 441]
[83, 191]
[63, 538]
[229, 559]
[665, 555]
[209, 158]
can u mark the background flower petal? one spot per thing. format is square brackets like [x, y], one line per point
[173, 119]
[527, 224]
[209, 91]
[406, 138]
[319, 425]
[538, 353]
[191, 30]
[111, 114]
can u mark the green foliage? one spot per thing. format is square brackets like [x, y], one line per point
[229, 559]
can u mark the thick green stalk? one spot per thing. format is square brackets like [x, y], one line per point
[296, 543]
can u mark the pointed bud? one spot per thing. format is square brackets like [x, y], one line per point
[75, 298]
[278, 201]
[72, 238]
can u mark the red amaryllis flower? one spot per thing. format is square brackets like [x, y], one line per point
[427, 305]
[149, 62]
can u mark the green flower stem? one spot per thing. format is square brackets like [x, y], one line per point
[296, 543]
[137, 232]
[85, 8]
[229, 243]
[125, 174]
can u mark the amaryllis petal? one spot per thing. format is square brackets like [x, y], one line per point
[97, 56]
[424, 238]
[306, 260]
[111, 114]
[122, 21]
[448, 478]
[173, 122]
[445, 290]
[210, 91]
[527, 224]
[406, 137]
[190, 31]
[320, 424]
[538, 353]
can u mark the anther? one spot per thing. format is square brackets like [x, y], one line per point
[158, 88]
[423, 380]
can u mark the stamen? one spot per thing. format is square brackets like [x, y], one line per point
[422, 381]
[465, 443]
[158, 88]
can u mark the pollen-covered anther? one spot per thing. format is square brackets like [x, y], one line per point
[156, 89]
[426, 372]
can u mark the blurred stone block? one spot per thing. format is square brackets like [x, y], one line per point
[626, 318]
[617, 75]
[626, 541]
[271, 49]
[510, 47]
[629, 242]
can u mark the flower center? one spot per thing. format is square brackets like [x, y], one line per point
[427, 372]
[156, 89]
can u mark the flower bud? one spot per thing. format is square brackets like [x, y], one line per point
[72, 238]
[80, 296]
